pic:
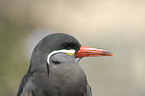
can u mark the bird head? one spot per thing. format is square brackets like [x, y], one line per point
[60, 46]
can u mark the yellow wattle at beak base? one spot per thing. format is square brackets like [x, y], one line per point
[70, 53]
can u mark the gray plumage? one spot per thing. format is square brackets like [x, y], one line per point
[62, 77]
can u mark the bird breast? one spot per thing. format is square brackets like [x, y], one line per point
[70, 76]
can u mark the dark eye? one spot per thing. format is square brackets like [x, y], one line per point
[67, 46]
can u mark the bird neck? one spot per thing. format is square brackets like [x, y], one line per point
[38, 62]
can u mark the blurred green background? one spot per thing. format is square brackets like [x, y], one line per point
[115, 25]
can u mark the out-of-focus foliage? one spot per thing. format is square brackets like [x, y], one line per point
[115, 25]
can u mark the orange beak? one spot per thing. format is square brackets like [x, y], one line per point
[91, 52]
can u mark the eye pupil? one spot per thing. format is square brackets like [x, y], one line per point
[67, 46]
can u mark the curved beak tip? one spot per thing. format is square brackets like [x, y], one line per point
[106, 53]
[110, 54]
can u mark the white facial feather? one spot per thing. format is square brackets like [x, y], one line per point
[59, 51]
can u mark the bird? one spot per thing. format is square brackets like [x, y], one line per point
[54, 68]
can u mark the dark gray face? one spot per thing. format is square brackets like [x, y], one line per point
[50, 43]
